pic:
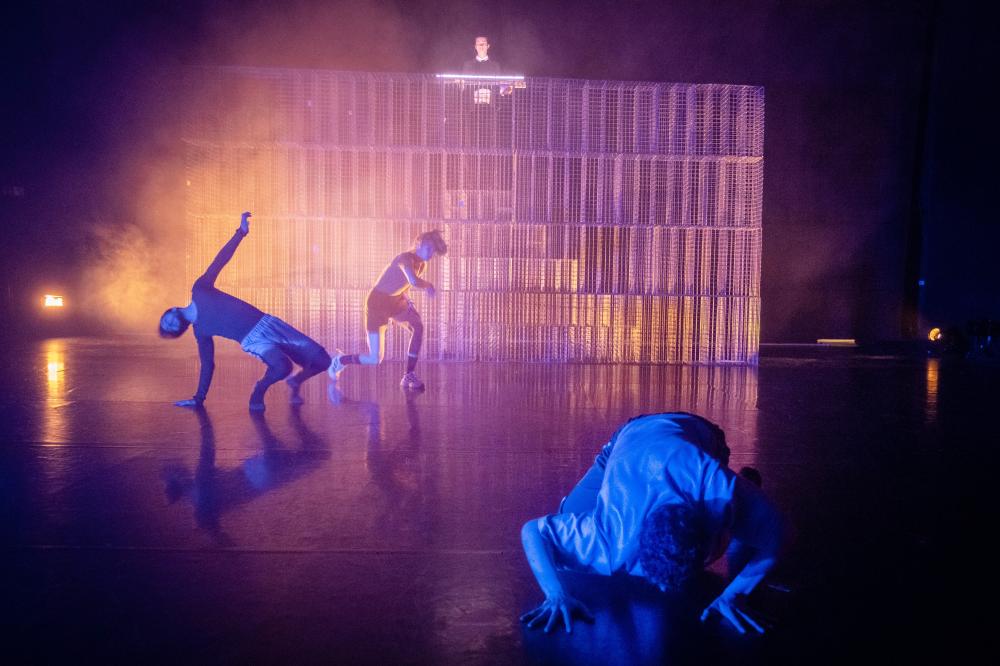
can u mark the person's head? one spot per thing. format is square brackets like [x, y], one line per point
[173, 323]
[672, 545]
[430, 243]
[482, 46]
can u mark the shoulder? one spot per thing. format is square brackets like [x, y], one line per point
[579, 541]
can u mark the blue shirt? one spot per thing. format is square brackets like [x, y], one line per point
[653, 460]
[219, 314]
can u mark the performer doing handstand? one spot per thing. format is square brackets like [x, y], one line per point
[387, 300]
[214, 312]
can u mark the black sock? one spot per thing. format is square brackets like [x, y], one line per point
[411, 363]
[350, 359]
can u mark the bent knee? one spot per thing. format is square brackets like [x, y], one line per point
[281, 367]
[322, 360]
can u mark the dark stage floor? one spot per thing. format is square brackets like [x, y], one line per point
[382, 528]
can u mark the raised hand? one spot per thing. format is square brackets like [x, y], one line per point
[245, 222]
[734, 609]
[561, 607]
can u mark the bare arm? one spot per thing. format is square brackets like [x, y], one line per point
[760, 530]
[558, 605]
[206, 352]
[226, 253]
[541, 559]
[416, 282]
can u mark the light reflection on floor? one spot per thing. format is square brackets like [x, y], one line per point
[383, 527]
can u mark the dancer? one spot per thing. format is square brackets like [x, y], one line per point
[216, 313]
[660, 502]
[387, 300]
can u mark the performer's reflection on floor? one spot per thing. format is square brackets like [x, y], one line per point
[403, 476]
[214, 492]
[634, 623]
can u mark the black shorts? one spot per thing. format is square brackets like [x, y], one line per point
[380, 307]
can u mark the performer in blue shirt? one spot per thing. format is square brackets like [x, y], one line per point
[660, 502]
[216, 313]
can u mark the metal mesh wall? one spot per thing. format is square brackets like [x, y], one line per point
[586, 220]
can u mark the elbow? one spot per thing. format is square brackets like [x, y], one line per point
[529, 531]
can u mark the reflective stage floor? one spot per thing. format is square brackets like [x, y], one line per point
[371, 526]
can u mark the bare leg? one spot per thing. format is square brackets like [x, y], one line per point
[278, 367]
[376, 348]
[410, 320]
[313, 359]
[583, 497]
[376, 352]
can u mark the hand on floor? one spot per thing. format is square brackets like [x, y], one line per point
[552, 610]
[735, 610]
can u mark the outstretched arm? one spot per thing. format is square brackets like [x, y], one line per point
[226, 253]
[558, 605]
[206, 353]
[759, 529]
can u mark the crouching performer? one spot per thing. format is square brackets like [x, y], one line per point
[660, 502]
[216, 313]
[388, 301]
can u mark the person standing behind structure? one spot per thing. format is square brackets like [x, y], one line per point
[482, 64]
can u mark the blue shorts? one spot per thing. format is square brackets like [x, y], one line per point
[272, 333]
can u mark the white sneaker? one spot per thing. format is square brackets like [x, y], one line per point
[412, 382]
[336, 366]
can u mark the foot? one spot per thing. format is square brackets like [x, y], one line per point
[412, 382]
[294, 385]
[336, 366]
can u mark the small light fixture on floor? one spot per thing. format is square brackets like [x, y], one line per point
[837, 342]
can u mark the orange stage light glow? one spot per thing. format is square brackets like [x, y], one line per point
[52, 301]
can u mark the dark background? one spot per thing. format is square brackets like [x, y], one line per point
[877, 128]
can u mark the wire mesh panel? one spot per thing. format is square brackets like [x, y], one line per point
[586, 220]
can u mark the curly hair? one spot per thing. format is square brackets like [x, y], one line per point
[435, 239]
[672, 545]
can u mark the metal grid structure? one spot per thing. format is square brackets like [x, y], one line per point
[598, 221]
